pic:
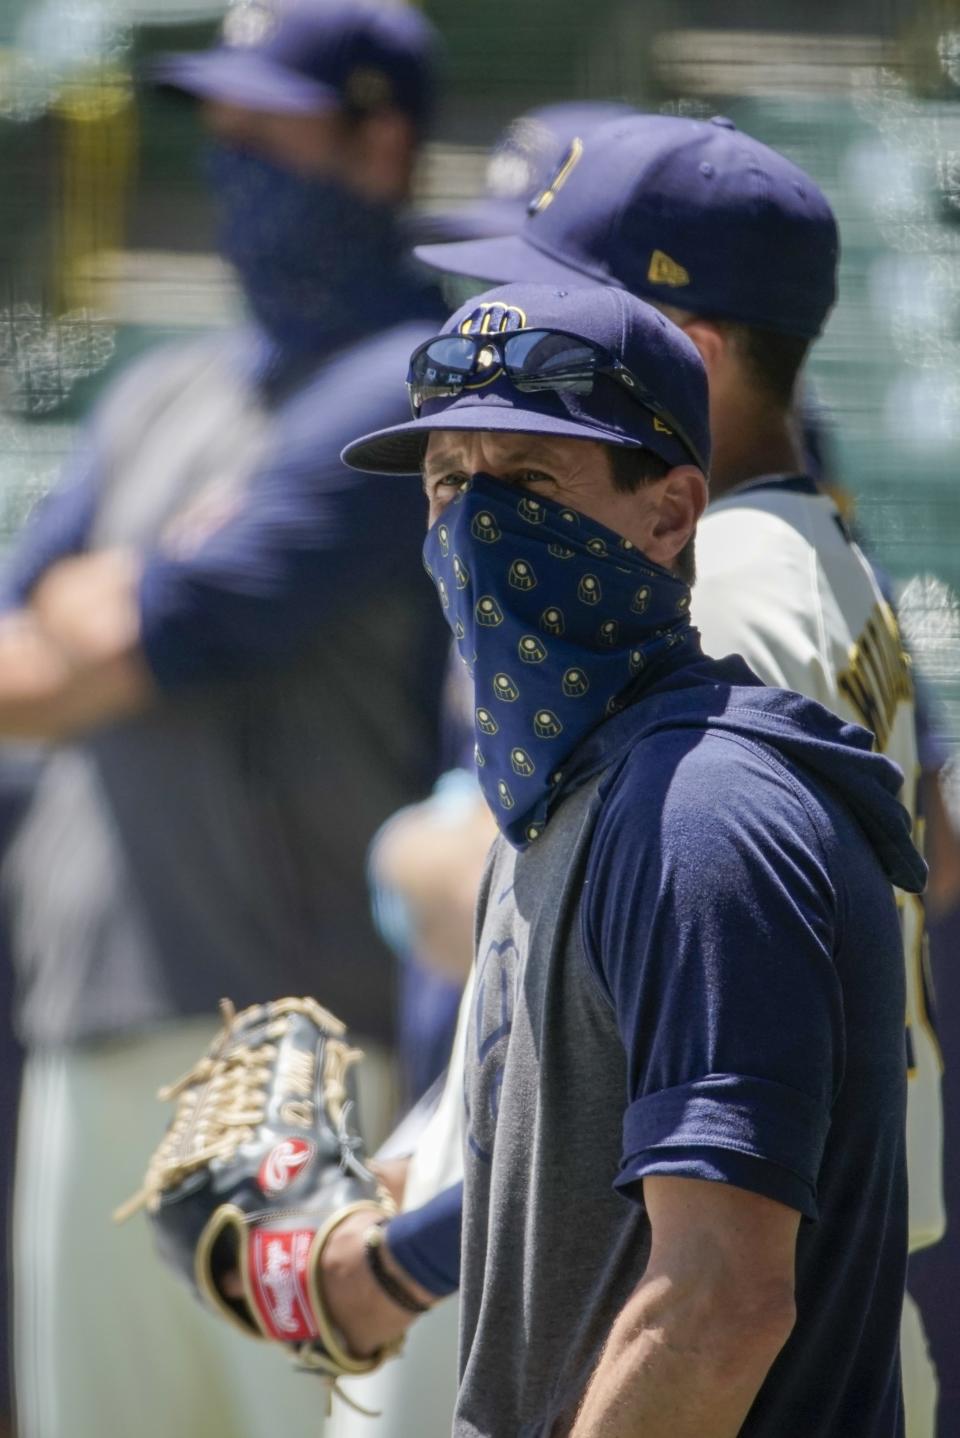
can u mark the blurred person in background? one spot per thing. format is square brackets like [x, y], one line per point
[228, 643]
[425, 866]
[934, 1273]
[11, 1060]
[739, 247]
[17, 776]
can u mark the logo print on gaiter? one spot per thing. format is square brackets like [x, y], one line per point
[487, 1045]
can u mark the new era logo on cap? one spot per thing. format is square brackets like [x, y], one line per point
[664, 271]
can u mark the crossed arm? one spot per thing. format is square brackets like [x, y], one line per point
[70, 655]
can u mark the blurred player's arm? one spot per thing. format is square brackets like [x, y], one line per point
[69, 656]
[431, 857]
[91, 636]
[694, 1342]
[66, 618]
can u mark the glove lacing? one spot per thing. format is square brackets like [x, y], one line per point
[222, 1099]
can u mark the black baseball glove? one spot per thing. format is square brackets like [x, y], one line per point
[258, 1167]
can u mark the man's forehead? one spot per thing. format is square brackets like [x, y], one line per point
[446, 444]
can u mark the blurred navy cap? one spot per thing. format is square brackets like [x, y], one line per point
[691, 213]
[302, 57]
[523, 160]
[658, 353]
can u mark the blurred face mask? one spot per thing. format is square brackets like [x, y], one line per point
[557, 619]
[308, 251]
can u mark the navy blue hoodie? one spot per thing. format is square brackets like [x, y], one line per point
[714, 892]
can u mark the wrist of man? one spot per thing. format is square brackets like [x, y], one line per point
[399, 1286]
[425, 1242]
[356, 1304]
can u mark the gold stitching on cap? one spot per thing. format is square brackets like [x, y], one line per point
[547, 196]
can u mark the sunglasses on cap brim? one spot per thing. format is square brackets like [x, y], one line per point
[533, 360]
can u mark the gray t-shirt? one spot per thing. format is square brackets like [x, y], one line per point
[544, 1095]
[216, 844]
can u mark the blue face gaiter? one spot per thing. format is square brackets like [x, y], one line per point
[314, 259]
[556, 617]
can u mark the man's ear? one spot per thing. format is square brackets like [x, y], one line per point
[712, 342]
[384, 150]
[681, 498]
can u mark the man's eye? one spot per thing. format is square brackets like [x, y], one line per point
[534, 476]
[442, 484]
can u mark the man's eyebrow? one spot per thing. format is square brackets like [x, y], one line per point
[533, 448]
[437, 459]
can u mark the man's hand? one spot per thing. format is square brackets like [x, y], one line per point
[89, 603]
[694, 1342]
[70, 658]
[433, 859]
[366, 1317]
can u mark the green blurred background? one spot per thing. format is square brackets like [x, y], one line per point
[105, 240]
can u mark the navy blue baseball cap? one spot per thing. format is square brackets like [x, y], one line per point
[691, 213]
[303, 57]
[658, 355]
[522, 162]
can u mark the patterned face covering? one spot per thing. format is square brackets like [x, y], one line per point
[312, 256]
[556, 617]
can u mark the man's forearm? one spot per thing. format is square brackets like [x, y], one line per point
[70, 658]
[46, 694]
[675, 1367]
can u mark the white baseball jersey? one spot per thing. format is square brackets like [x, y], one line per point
[780, 581]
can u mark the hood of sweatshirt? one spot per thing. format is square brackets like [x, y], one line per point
[725, 694]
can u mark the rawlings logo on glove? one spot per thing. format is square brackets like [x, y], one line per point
[283, 1163]
[279, 1262]
[259, 1166]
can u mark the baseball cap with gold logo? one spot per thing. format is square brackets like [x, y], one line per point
[649, 393]
[692, 213]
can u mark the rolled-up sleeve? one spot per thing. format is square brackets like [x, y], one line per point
[769, 1137]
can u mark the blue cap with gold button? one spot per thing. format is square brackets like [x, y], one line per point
[643, 386]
